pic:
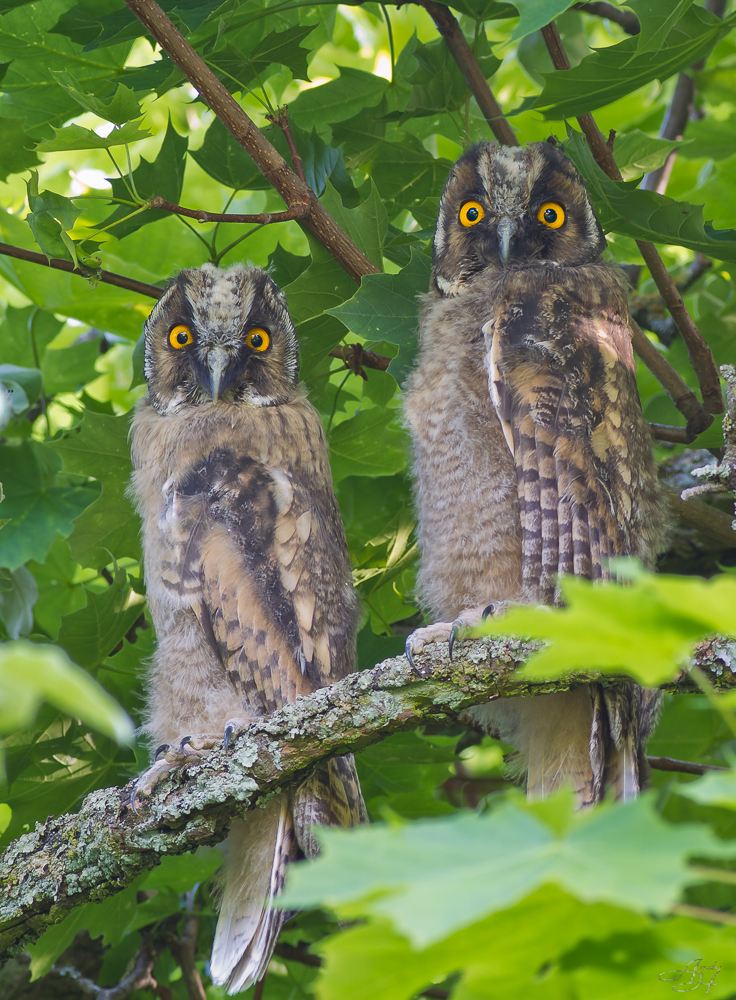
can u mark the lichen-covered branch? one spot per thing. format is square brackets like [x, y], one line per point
[94, 853]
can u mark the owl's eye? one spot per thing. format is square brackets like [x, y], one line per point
[471, 213]
[258, 338]
[551, 214]
[181, 336]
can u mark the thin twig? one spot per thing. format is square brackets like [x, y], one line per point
[699, 353]
[704, 913]
[297, 211]
[139, 978]
[624, 18]
[268, 160]
[681, 766]
[450, 30]
[108, 277]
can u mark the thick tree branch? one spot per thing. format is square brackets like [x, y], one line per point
[699, 353]
[447, 25]
[108, 277]
[268, 160]
[71, 859]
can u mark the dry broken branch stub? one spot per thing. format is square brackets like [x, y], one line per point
[71, 859]
[268, 160]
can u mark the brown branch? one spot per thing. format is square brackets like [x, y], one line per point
[108, 277]
[450, 30]
[681, 766]
[709, 521]
[356, 359]
[184, 948]
[699, 353]
[297, 211]
[624, 18]
[669, 378]
[268, 160]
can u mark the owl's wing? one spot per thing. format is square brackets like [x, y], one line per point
[262, 559]
[561, 378]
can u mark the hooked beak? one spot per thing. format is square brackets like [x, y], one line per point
[505, 229]
[217, 362]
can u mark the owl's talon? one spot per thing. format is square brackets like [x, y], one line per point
[133, 793]
[488, 611]
[453, 635]
[229, 730]
[182, 744]
[160, 750]
[408, 654]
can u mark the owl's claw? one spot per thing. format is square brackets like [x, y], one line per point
[408, 653]
[159, 750]
[453, 635]
[229, 730]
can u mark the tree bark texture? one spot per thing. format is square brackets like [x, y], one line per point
[92, 854]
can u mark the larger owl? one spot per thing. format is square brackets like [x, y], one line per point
[247, 571]
[531, 454]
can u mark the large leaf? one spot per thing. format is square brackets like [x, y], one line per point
[337, 100]
[99, 447]
[92, 633]
[646, 215]
[36, 506]
[386, 307]
[432, 878]
[645, 629]
[31, 674]
[612, 72]
[368, 444]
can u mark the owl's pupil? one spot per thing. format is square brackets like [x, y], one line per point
[472, 214]
[182, 337]
[550, 216]
[256, 340]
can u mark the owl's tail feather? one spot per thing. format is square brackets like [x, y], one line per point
[257, 851]
[593, 738]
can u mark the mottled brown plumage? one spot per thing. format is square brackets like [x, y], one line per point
[532, 456]
[247, 570]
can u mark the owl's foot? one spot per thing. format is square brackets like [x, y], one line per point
[448, 631]
[168, 757]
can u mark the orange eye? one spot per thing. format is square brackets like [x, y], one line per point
[181, 336]
[258, 338]
[551, 214]
[471, 213]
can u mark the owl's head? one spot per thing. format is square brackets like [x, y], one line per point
[220, 335]
[512, 206]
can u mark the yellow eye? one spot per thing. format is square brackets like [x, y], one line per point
[181, 336]
[551, 214]
[471, 213]
[258, 338]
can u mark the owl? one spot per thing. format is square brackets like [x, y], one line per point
[531, 454]
[247, 572]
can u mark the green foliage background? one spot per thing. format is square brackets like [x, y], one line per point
[459, 885]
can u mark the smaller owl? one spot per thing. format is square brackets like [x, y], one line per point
[247, 571]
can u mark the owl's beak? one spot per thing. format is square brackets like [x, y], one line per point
[217, 361]
[505, 229]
